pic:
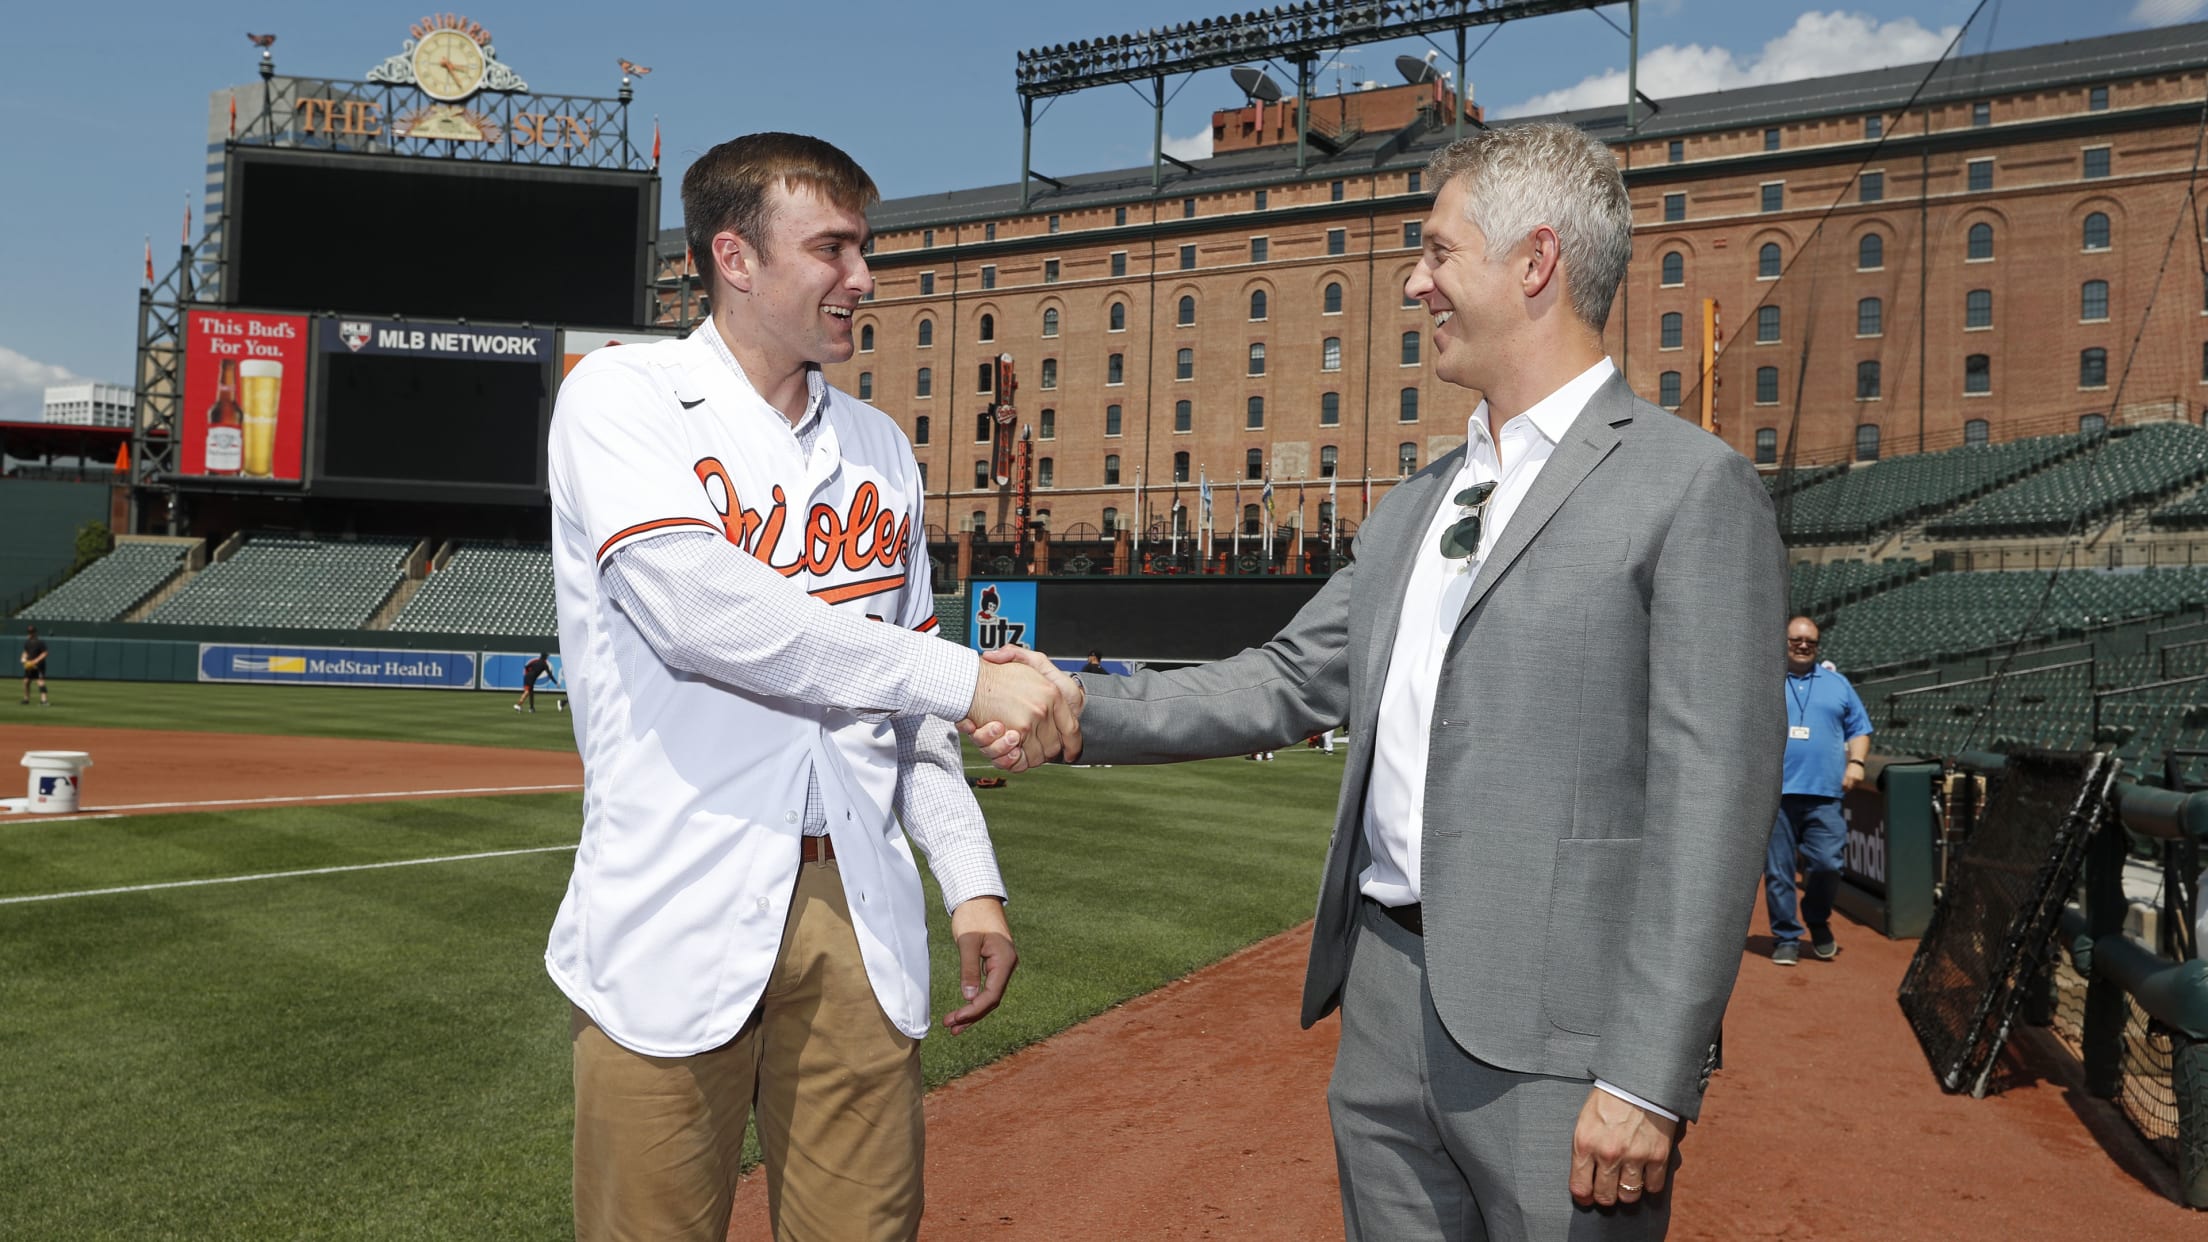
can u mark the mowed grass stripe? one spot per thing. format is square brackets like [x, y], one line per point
[453, 717]
[378, 1053]
[277, 875]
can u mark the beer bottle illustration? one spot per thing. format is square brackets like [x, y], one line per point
[225, 423]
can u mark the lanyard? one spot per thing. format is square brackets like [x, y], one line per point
[1801, 701]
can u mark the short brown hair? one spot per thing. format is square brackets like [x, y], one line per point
[729, 187]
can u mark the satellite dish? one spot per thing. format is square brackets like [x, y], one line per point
[1415, 71]
[1256, 84]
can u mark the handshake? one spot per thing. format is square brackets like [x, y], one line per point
[1026, 711]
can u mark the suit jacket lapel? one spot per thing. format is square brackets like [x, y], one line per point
[1391, 566]
[1591, 437]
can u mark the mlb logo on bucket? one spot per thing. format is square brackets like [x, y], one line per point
[48, 786]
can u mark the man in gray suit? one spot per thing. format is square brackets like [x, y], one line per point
[1553, 654]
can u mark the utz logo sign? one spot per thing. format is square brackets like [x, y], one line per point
[354, 332]
[1003, 614]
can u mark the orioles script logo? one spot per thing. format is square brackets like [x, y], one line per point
[866, 536]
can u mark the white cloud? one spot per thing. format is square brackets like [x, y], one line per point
[1196, 146]
[1818, 44]
[2166, 12]
[23, 384]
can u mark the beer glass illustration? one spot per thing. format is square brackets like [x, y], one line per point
[263, 384]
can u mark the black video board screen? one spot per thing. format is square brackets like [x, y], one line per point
[390, 235]
[1169, 619]
[440, 422]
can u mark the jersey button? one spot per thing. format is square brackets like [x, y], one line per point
[764, 903]
[789, 817]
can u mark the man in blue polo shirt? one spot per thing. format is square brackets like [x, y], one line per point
[1828, 736]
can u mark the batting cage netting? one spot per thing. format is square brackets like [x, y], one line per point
[1994, 925]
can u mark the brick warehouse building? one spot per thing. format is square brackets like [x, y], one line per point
[1245, 319]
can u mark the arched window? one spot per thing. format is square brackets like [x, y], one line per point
[1410, 349]
[1046, 471]
[1870, 252]
[1667, 390]
[981, 480]
[985, 427]
[1111, 420]
[927, 333]
[1866, 380]
[1180, 467]
[1250, 518]
[1184, 364]
[1187, 314]
[1330, 409]
[1257, 358]
[1050, 321]
[1111, 516]
[1329, 459]
[1333, 300]
[1870, 317]
[1767, 260]
[1406, 406]
[1975, 431]
[1978, 308]
[1257, 304]
[1050, 373]
[866, 385]
[988, 380]
[2096, 231]
[1767, 385]
[1866, 442]
[1406, 458]
[1767, 446]
[1253, 464]
[1255, 419]
[1980, 241]
[1977, 374]
[1673, 332]
[1115, 369]
[1046, 424]
[924, 384]
[1119, 317]
[920, 430]
[866, 338]
[988, 328]
[2092, 424]
[1330, 354]
[2093, 300]
[2093, 368]
[1184, 416]
[1674, 267]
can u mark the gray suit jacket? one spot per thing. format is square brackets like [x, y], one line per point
[1605, 754]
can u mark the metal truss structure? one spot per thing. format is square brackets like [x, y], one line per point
[1303, 34]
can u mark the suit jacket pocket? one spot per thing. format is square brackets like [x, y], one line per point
[1579, 552]
[1588, 902]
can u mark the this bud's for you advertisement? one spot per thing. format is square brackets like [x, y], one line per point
[245, 395]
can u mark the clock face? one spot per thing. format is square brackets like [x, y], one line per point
[448, 65]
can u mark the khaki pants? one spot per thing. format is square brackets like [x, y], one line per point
[659, 1140]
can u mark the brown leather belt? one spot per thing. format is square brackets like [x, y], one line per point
[818, 849]
[1410, 918]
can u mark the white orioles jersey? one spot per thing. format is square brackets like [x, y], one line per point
[694, 790]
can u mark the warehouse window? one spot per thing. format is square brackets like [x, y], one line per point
[1870, 317]
[1671, 334]
[1866, 442]
[1667, 390]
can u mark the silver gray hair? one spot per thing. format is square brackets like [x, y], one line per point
[1520, 177]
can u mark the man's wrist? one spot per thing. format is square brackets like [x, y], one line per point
[1857, 762]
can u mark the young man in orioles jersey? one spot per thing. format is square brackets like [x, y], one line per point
[745, 611]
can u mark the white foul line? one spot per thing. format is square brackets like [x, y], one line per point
[278, 875]
[338, 797]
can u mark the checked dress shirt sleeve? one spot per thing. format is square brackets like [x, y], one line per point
[707, 607]
[937, 808]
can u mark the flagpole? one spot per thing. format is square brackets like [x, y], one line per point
[1138, 519]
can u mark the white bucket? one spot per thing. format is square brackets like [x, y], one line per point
[54, 780]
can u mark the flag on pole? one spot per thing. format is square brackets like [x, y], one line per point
[187, 238]
[233, 114]
[1203, 491]
[1238, 516]
[1265, 503]
[1138, 510]
[655, 142]
[149, 258]
[1333, 512]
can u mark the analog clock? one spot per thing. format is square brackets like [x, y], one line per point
[448, 65]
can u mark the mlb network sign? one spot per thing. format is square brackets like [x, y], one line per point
[338, 666]
[364, 336]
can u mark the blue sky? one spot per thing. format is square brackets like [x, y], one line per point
[103, 112]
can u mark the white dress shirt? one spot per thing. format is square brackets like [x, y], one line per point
[1395, 800]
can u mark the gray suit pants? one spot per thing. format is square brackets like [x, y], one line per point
[1432, 1143]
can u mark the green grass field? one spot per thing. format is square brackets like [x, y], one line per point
[377, 1053]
